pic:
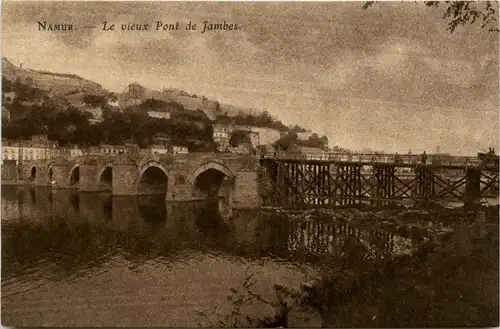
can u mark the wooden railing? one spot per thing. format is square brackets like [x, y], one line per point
[377, 158]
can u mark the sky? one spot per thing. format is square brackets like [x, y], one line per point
[388, 78]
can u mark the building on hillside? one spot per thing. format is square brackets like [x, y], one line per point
[96, 114]
[159, 114]
[221, 137]
[75, 152]
[38, 147]
[8, 97]
[303, 136]
[179, 149]
[70, 152]
[92, 150]
[113, 103]
[112, 149]
[127, 102]
[158, 149]
[265, 135]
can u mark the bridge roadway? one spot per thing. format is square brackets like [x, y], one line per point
[405, 160]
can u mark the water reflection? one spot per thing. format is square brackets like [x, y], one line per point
[61, 240]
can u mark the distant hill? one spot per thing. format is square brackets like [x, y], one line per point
[136, 94]
[56, 83]
[233, 110]
[74, 88]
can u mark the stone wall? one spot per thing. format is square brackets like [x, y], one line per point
[246, 190]
[60, 174]
[124, 179]
[9, 170]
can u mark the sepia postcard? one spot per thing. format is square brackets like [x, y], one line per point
[250, 164]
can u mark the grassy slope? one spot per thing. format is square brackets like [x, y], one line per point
[456, 285]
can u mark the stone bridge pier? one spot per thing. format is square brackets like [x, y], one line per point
[234, 182]
[34, 172]
[61, 172]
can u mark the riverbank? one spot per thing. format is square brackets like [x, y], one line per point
[13, 183]
[449, 277]
[453, 282]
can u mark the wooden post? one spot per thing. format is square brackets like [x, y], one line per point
[472, 186]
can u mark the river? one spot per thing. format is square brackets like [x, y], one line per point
[90, 259]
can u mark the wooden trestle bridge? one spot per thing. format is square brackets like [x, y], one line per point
[327, 180]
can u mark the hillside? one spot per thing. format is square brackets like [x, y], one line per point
[136, 94]
[74, 88]
[57, 83]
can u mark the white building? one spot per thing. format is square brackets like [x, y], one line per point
[39, 147]
[114, 103]
[179, 150]
[96, 115]
[303, 136]
[112, 149]
[265, 135]
[221, 137]
[75, 152]
[158, 149]
[159, 114]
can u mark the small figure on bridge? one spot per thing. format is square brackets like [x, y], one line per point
[424, 158]
[397, 158]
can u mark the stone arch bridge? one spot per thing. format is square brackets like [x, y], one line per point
[180, 177]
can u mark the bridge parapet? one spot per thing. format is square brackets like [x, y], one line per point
[367, 159]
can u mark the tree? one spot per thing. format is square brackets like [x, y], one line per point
[94, 100]
[298, 129]
[217, 109]
[238, 137]
[6, 85]
[463, 12]
[285, 142]
[113, 97]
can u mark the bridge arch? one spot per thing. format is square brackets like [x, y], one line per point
[152, 178]
[105, 177]
[74, 176]
[33, 173]
[208, 178]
